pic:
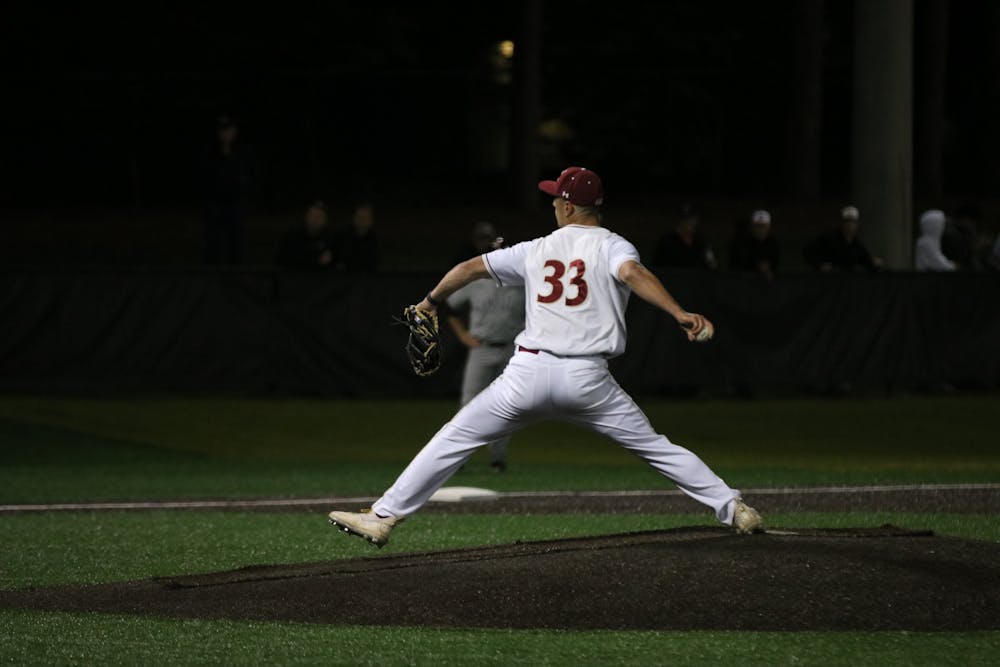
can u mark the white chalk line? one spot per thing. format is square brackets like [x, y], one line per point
[277, 503]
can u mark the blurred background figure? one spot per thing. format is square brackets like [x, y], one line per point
[307, 245]
[484, 234]
[226, 182]
[754, 247]
[841, 248]
[485, 318]
[962, 241]
[928, 255]
[357, 246]
[685, 246]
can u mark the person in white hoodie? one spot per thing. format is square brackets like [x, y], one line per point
[929, 256]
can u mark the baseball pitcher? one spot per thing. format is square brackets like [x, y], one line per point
[577, 282]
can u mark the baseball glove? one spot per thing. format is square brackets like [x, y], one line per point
[423, 347]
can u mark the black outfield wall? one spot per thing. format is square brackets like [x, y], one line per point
[267, 332]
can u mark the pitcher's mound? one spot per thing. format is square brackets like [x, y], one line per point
[684, 579]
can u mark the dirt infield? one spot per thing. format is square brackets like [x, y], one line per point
[699, 578]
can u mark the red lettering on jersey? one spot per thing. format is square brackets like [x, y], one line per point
[554, 279]
[558, 269]
[578, 281]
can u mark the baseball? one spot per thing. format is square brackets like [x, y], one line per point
[705, 333]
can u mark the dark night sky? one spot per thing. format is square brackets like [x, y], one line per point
[112, 107]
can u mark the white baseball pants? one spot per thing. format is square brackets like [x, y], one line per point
[540, 386]
[483, 365]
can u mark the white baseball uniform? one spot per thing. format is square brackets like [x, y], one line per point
[574, 322]
[496, 316]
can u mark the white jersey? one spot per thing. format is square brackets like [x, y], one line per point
[574, 301]
[575, 312]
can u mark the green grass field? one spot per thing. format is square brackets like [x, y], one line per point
[74, 449]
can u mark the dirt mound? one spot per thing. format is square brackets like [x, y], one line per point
[684, 579]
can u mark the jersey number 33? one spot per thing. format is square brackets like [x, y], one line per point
[576, 292]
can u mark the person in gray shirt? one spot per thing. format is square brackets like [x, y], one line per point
[486, 318]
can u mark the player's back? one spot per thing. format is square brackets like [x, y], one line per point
[575, 306]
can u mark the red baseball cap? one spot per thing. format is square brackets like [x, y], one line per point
[578, 185]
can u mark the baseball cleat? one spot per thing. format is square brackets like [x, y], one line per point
[746, 519]
[366, 525]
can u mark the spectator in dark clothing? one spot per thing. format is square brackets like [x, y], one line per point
[357, 248]
[754, 247]
[308, 245]
[841, 249]
[685, 246]
[226, 181]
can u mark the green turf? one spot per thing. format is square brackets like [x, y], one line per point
[77, 449]
[79, 639]
[90, 449]
[933, 429]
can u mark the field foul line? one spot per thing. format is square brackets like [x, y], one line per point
[308, 502]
